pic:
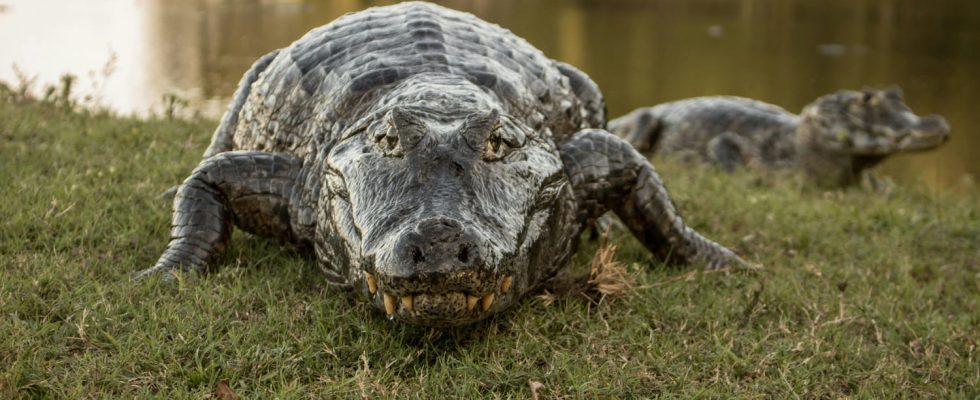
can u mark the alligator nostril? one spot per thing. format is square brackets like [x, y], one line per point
[457, 169]
[417, 255]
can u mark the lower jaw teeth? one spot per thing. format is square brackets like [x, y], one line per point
[471, 302]
[389, 301]
[407, 303]
[486, 302]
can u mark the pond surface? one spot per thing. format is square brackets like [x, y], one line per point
[130, 54]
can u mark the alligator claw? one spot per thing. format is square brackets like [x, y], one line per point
[166, 274]
[169, 193]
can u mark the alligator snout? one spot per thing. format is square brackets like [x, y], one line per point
[438, 245]
[934, 125]
[930, 132]
[439, 273]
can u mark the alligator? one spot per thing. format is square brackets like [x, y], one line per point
[434, 164]
[834, 141]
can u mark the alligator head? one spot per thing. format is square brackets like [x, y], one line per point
[860, 128]
[441, 198]
[872, 123]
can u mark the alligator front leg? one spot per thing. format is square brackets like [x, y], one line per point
[255, 191]
[607, 173]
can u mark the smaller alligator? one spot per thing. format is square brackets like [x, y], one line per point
[833, 141]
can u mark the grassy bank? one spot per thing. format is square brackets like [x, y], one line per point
[863, 295]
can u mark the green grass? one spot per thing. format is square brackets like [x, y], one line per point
[863, 295]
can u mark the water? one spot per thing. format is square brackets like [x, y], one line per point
[129, 54]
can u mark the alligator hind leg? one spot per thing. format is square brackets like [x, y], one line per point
[256, 191]
[593, 104]
[729, 151]
[606, 172]
[641, 128]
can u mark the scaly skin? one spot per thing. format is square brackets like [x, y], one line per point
[834, 140]
[607, 173]
[436, 164]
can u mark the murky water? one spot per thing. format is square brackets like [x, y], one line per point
[129, 54]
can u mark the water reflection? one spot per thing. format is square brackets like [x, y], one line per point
[640, 52]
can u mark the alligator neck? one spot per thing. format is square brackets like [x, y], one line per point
[825, 167]
[778, 149]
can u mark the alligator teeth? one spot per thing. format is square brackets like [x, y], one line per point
[471, 302]
[407, 302]
[505, 285]
[389, 304]
[372, 282]
[486, 302]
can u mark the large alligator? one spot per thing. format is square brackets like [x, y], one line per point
[436, 164]
[834, 140]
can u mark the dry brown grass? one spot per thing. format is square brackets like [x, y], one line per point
[607, 277]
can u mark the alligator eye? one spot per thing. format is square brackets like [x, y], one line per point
[387, 139]
[870, 99]
[401, 132]
[495, 148]
[336, 184]
[503, 140]
[895, 92]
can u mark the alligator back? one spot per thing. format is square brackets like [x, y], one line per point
[321, 84]
[690, 124]
[690, 128]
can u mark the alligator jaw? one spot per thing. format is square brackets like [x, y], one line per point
[424, 307]
[929, 133]
[922, 143]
